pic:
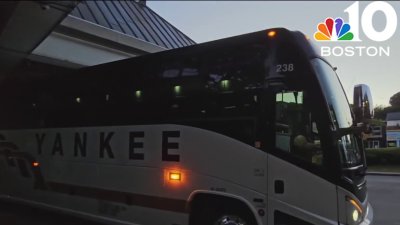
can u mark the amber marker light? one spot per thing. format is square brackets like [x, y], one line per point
[271, 33]
[355, 204]
[175, 176]
[35, 164]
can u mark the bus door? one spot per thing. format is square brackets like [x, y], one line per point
[298, 192]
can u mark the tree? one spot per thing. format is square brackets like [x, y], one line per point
[380, 112]
[395, 100]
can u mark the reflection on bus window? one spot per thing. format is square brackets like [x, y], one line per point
[350, 151]
[296, 130]
[290, 97]
[188, 72]
[170, 73]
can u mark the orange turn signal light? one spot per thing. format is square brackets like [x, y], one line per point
[35, 164]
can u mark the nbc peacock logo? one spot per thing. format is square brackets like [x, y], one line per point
[333, 30]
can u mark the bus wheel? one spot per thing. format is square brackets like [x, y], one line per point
[219, 210]
[230, 220]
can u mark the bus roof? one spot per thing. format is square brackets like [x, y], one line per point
[230, 42]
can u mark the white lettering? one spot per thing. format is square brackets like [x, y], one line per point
[360, 48]
[354, 15]
[372, 51]
[367, 20]
[382, 50]
[350, 51]
[391, 21]
[325, 51]
[337, 51]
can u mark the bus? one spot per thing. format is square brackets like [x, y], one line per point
[249, 130]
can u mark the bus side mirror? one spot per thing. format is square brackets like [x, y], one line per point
[363, 107]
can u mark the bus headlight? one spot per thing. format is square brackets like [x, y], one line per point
[356, 215]
[354, 211]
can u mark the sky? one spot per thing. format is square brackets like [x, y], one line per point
[205, 21]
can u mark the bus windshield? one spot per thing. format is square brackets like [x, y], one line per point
[336, 98]
[340, 112]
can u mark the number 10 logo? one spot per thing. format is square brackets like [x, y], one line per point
[367, 20]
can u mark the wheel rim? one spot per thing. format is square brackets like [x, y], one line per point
[230, 220]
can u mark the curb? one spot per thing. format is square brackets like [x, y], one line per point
[383, 174]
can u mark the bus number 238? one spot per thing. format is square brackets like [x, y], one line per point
[284, 67]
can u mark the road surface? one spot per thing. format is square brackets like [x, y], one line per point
[384, 195]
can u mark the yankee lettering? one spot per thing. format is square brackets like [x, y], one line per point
[56, 145]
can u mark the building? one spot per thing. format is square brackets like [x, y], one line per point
[377, 138]
[103, 31]
[43, 37]
[393, 129]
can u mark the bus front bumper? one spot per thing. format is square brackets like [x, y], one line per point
[369, 215]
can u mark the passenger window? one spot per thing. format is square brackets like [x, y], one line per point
[296, 128]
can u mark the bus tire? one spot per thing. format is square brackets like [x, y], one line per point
[219, 210]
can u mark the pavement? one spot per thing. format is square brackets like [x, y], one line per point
[383, 173]
[384, 196]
